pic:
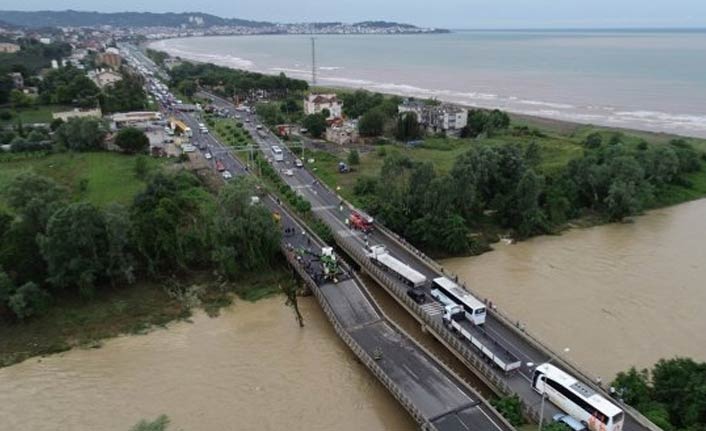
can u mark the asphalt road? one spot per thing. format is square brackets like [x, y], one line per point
[327, 206]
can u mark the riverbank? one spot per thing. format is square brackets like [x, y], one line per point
[253, 366]
[135, 309]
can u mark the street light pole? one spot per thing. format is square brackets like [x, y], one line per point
[544, 392]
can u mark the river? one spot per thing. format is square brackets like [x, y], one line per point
[252, 368]
[617, 295]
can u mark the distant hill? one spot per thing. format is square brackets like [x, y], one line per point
[72, 18]
[191, 20]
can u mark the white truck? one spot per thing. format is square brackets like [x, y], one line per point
[455, 319]
[379, 255]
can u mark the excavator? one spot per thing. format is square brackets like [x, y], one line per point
[329, 263]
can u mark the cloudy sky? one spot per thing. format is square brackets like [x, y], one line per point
[439, 13]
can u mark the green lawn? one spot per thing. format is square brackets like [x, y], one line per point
[110, 176]
[35, 114]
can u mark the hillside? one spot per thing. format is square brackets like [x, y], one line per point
[72, 18]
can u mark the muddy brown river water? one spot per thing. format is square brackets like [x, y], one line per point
[252, 368]
[617, 295]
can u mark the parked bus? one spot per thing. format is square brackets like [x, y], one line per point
[277, 153]
[475, 310]
[576, 399]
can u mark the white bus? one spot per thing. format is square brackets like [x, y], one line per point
[277, 153]
[576, 399]
[475, 309]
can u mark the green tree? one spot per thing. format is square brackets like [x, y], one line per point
[81, 134]
[594, 140]
[132, 140]
[315, 124]
[372, 123]
[246, 235]
[28, 300]
[19, 100]
[408, 127]
[188, 87]
[633, 386]
[511, 408]
[159, 424]
[75, 246]
[622, 200]
[125, 95]
[120, 261]
[353, 158]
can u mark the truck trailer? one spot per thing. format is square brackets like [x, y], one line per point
[379, 255]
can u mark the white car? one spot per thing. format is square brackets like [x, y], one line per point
[208, 156]
[298, 163]
[188, 148]
[227, 175]
[289, 172]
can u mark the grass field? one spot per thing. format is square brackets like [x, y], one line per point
[109, 177]
[35, 114]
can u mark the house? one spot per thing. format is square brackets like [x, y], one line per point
[342, 132]
[436, 118]
[9, 48]
[77, 113]
[123, 119]
[315, 103]
[104, 78]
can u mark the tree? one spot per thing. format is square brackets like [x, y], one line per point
[353, 158]
[74, 247]
[120, 262]
[19, 100]
[81, 134]
[29, 300]
[622, 200]
[633, 386]
[408, 127]
[55, 124]
[159, 424]
[315, 124]
[68, 86]
[511, 408]
[246, 235]
[132, 140]
[124, 95]
[594, 140]
[372, 123]
[188, 87]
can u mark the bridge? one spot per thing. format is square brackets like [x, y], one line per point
[433, 394]
[507, 339]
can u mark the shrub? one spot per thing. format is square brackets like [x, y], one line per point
[29, 300]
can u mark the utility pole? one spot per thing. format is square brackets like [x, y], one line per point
[313, 61]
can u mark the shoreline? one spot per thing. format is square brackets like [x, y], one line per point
[447, 96]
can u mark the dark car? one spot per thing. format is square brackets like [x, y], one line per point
[417, 295]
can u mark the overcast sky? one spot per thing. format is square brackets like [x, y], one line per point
[438, 13]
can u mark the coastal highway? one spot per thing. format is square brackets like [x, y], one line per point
[329, 208]
[421, 383]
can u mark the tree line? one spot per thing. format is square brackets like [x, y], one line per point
[502, 186]
[233, 82]
[672, 394]
[52, 245]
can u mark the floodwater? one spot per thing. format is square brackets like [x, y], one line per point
[252, 368]
[617, 295]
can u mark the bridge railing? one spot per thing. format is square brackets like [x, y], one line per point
[508, 322]
[362, 355]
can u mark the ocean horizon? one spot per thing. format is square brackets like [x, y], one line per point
[629, 78]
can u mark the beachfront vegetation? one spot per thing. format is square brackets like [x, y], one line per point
[671, 394]
[238, 83]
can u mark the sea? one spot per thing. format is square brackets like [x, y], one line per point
[641, 79]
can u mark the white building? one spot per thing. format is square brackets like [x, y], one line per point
[447, 118]
[315, 103]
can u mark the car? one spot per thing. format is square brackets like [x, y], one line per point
[417, 295]
[570, 423]
[188, 148]
[298, 163]
[208, 156]
[227, 175]
[289, 172]
[247, 120]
